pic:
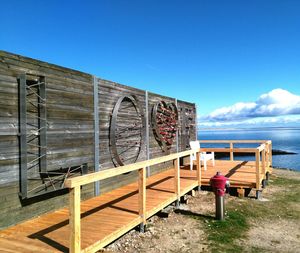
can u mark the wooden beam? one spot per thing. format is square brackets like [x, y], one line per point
[231, 151]
[267, 155]
[198, 166]
[257, 159]
[233, 141]
[142, 194]
[177, 177]
[74, 218]
[270, 153]
[263, 161]
[241, 192]
[228, 150]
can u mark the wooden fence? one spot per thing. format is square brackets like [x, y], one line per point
[263, 154]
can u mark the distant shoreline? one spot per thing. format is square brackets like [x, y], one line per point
[274, 152]
[246, 129]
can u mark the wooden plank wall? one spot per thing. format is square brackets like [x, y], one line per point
[109, 93]
[70, 131]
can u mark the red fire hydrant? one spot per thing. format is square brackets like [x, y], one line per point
[219, 184]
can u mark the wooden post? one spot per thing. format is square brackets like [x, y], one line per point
[199, 175]
[267, 155]
[142, 196]
[74, 219]
[241, 192]
[177, 178]
[257, 159]
[270, 153]
[231, 151]
[263, 161]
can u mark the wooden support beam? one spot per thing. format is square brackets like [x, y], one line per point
[142, 195]
[257, 162]
[234, 150]
[233, 141]
[263, 161]
[74, 218]
[231, 151]
[267, 155]
[198, 166]
[241, 192]
[177, 178]
[193, 193]
[270, 153]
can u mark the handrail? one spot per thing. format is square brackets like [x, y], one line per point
[96, 176]
[263, 154]
[227, 150]
[75, 183]
[233, 141]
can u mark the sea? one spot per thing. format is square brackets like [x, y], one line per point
[286, 139]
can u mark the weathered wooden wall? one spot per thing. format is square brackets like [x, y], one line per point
[70, 131]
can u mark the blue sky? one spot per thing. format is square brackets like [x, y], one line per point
[213, 53]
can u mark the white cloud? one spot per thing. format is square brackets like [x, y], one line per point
[265, 121]
[277, 102]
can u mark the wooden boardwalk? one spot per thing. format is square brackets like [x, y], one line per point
[112, 214]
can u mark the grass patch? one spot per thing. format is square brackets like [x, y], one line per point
[282, 181]
[222, 234]
[228, 230]
[225, 236]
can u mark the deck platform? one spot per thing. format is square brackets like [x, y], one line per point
[240, 173]
[112, 214]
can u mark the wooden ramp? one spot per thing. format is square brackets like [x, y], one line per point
[107, 217]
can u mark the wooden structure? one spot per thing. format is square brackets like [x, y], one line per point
[56, 123]
[262, 163]
[92, 224]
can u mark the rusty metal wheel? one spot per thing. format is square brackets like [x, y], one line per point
[127, 130]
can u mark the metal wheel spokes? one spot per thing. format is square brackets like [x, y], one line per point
[126, 130]
[164, 123]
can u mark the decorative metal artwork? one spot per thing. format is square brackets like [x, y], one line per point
[36, 178]
[127, 130]
[165, 123]
[188, 126]
[55, 179]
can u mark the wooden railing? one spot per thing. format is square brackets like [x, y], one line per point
[75, 184]
[263, 154]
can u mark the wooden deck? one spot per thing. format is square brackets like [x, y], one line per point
[241, 173]
[112, 214]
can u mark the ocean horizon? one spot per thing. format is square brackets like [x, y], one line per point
[283, 138]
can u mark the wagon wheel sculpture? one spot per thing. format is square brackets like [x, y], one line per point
[165, 123]
[126, 130]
